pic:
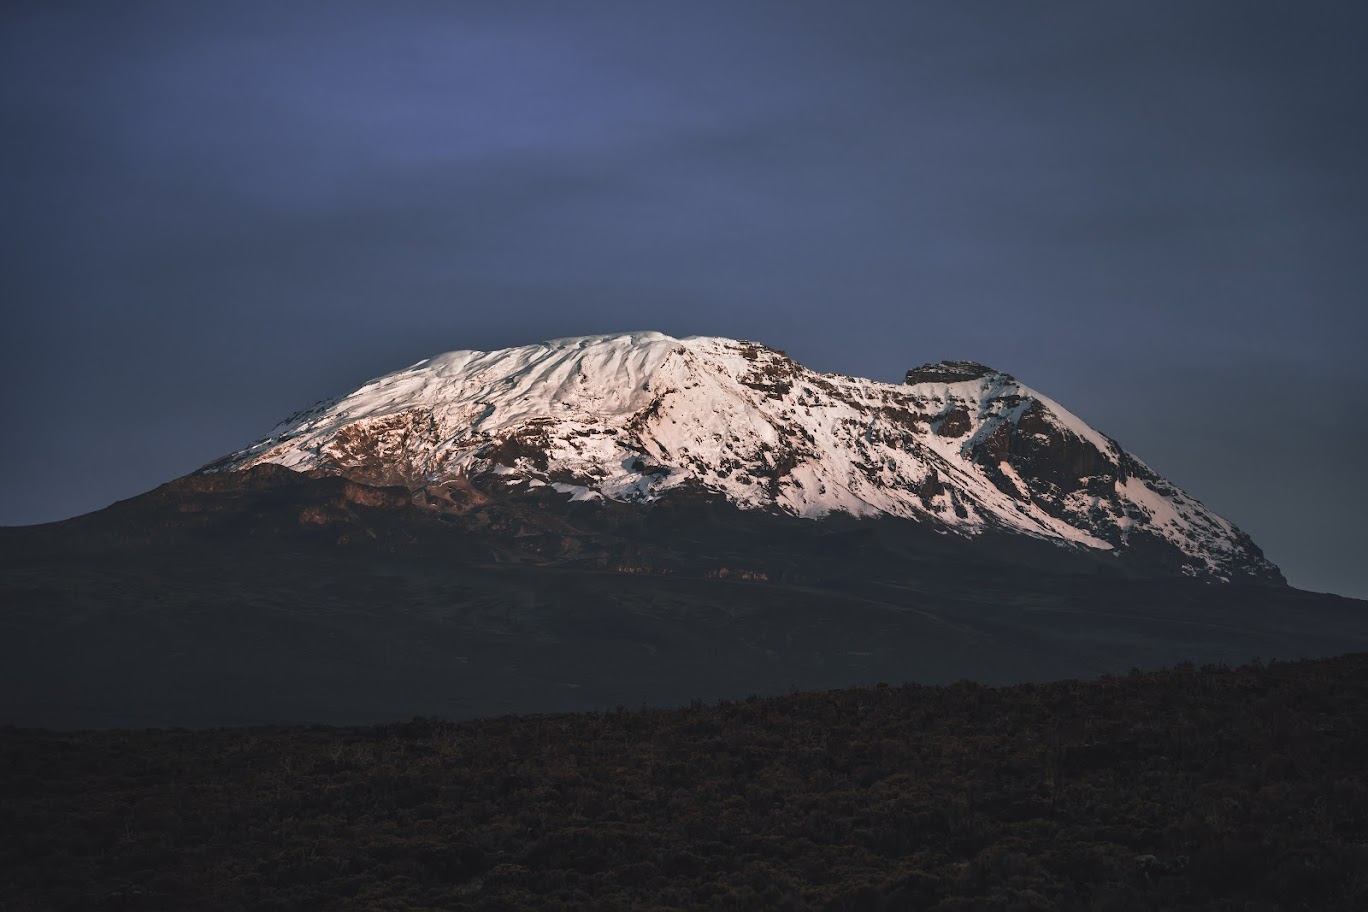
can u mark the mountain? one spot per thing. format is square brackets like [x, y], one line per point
[632, 519]
[642, 416]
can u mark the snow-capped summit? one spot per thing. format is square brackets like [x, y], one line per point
[637, 416]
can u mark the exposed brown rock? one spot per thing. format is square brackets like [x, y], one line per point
[930, 488]
[377, 450]
[529, 443]
[948, 372]
[954, 423]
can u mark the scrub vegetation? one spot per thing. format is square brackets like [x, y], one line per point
[1192, 788]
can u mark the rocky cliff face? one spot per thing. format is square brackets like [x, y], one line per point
[642, 417]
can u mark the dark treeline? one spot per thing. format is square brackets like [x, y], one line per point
[1195, 788]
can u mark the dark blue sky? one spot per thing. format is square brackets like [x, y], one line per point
[216, 213]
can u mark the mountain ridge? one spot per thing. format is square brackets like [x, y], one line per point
[637, 417]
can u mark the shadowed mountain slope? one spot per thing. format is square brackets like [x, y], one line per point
[273, 596]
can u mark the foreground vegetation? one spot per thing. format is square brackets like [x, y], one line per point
[1205, 788]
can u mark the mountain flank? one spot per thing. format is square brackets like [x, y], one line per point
[633, 519]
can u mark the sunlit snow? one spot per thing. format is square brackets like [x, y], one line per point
[632, 416]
